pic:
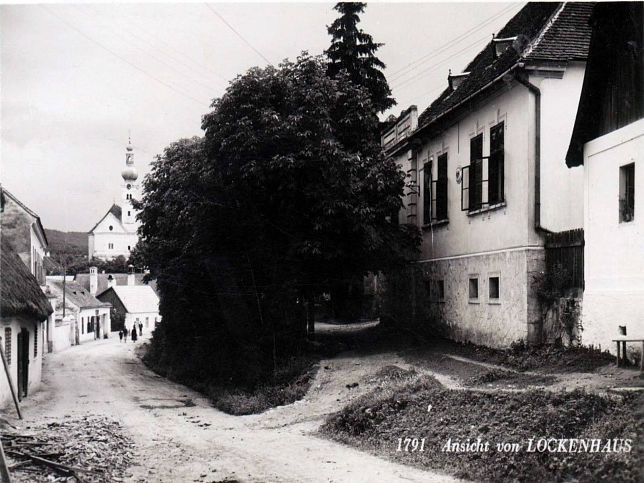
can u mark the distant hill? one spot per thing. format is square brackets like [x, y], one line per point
[72, 242]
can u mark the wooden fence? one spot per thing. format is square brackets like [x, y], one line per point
[565, 251]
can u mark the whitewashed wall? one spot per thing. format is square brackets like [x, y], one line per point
[614, 251]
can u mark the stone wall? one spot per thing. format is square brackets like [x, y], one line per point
[484, 320]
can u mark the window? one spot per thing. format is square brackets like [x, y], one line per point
[475, 174]
[435, 290]
[482, 182]
[494, 288]
[129, 186]
[627, 193]
[128, 213]
[474, 288]
[495, 169]
[82, 325]
[7, 344]
[90, 324]
[441, 188]
[128, 248]
[427, 193]
[36, 341]
[110, 246]
[440, 290]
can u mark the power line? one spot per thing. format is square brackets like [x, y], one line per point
[178, 57]
[451, 43]
[121, 58]
[436, 65]
[237, 33]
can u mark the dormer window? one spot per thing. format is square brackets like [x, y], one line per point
[501, 45]
[455, 80]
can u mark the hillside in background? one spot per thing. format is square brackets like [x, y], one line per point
[71, 242]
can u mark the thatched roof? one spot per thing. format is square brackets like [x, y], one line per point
[20, 293]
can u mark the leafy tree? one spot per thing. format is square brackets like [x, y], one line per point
[286, 195]
[354, 50]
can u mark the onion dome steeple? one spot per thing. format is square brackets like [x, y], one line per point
[129, 173]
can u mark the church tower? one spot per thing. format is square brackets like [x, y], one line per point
[130, 190]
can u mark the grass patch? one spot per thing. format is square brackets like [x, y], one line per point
[522, 357]
[290, 383]
[375, 421]
[496, 377]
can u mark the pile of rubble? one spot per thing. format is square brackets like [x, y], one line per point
[86, 449]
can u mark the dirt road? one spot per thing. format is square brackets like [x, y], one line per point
[180, 437]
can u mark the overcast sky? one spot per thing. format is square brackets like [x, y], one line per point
[76, 78]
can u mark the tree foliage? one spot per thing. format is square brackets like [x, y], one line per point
[352, 50]
[285, 195]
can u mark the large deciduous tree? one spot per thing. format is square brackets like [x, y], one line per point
[353, 51]
[285, 195]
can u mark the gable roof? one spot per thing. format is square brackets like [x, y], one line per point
[20, 293]
[550, 32]
[78, 295]
[4, 192]
[116, 211]
[617, 35]
[103, 280]
[136, 298]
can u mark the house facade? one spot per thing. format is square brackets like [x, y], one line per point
[22, 228]
[86, 317]
[23, 311]
[135, 304]
[485, 175]
[115, 234]
[608, 141]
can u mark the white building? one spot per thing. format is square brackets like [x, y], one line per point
[486, 174]
[608, 141]
[91, 317]
[139, 304]
[115, 233]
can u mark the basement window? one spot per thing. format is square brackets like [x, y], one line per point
[494, 289]
[627, 193]
[474, 289]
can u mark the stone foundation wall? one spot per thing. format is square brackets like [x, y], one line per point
[514, 316]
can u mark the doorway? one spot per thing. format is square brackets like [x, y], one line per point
[23, 363]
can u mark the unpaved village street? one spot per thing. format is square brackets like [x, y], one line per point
[178, 441]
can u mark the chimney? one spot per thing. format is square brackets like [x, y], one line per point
[130, 276]
[111, 281]
[93, 280]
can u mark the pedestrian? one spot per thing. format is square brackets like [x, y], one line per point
[121, 335]
[140, 328]
[125, 333]
[134, 333]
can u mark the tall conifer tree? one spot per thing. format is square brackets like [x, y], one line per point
[354, 51]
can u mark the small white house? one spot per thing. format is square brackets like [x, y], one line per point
[138, 304]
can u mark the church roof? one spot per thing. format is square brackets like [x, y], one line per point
[115, 210]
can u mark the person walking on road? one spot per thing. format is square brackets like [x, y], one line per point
[140, 328]
[134, 333]
[121, 335]
[125, 333]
